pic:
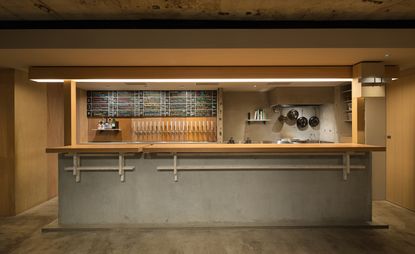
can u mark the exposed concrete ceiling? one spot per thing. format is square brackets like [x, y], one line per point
[207, 9]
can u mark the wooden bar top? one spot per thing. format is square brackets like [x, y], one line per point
[98, 148]
[260, 148]
[216, 148]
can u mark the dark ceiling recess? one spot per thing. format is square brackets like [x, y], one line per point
[204, 24]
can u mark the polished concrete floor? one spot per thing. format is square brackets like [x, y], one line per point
[21, 234]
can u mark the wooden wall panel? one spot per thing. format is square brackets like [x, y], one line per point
[7, 156]
[70, 126]
[81, 115]
[400, 155]
[31, 175]
[127, 133]
[358, 120]
[168, 72]
[55, 131]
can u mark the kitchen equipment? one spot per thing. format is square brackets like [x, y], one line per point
[292, 114]
[284, 141]
[299, 141]
[302, 122]
[282, 118]
[314, 121]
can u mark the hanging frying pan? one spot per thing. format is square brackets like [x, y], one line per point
[292, 114]
[314, 121]
[302, 122]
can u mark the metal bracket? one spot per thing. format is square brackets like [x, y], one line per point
[121, 167]
[175, 167]
[77, 168]
[346, 166]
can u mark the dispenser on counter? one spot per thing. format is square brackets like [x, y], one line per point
[108, 124]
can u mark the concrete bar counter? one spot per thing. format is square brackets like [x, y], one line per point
[162, 185]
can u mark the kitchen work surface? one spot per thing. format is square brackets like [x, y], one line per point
[22, 234]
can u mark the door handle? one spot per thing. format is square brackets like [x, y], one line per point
[389, 137]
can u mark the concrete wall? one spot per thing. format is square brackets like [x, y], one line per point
[206, 198]
[236, 106]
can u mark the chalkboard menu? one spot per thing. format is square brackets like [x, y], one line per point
[151, 103]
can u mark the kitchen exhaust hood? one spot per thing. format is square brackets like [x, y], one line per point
[374, 73]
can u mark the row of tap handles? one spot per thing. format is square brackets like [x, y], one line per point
[173, 126]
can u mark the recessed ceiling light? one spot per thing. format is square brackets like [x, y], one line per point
[387, 55]
[254, 85]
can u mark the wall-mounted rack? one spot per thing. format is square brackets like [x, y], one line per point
[264, 121]
[106, 130]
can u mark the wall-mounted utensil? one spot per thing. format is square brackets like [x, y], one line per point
[314, 121]
[302, 122]
[292, 114]
[282, 118]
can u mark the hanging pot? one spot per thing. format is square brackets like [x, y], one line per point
[282, 118]
[302, 122]
[314, 121]
[292, 114]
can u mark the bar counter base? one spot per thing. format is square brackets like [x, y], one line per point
[242, 190]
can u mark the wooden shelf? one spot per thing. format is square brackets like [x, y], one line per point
[347, 91]
[257, 121]
[106, 129]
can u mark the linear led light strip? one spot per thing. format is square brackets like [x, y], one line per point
[205, 80]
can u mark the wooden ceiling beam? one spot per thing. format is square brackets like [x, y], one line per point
[188, 72]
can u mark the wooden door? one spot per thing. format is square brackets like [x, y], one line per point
[400, 155]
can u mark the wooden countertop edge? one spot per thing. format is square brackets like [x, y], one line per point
[96, 149]
[215, 148]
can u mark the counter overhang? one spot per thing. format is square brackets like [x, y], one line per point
[216, 148]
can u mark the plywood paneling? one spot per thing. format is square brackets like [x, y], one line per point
[400, 159]
[70, 125]
[358, 120]
[31, 175]
[301, 95]
[200, 129]
[169, 72]
[81, 115]
[55, 132]
[7, 155]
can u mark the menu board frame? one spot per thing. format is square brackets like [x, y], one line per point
[151, 103]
